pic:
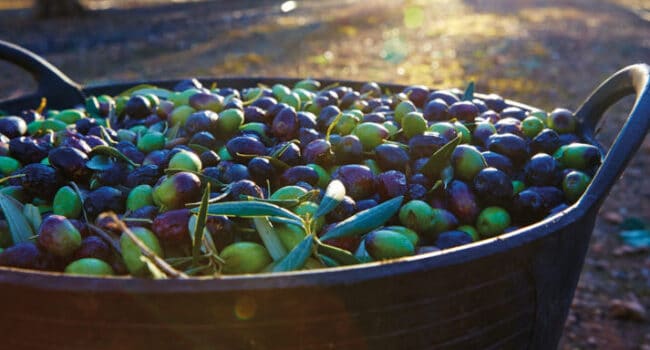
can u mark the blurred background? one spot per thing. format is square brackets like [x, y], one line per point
[547, 53]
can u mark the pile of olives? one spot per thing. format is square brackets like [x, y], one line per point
[214, 180]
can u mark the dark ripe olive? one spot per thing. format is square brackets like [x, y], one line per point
[244, 188]
[93, 247]
[285, 124]
[391, 184]
[187, 84]
[567, 139]
[364, 204]
[348, 99]
[138, 107]
[30, 115]
[39, 180]
[416, 165]
[58, 236]
[82, 227]
[69, 161]
[382, 109]
[272, 111]
[495, 102]
[450, 239]
[416, 192]
[551, 196]
[143, 175]
[391, 157]
[201, 121]
[348, 150]
[209, 158]
[528, 207]
[75, 141]
[130, 151]
[25, 255]
[358, 180]
[371, 105]
[341, 90]
[419, 178]
[467, 161]
[493, 187]
[509, 145]
[371, 89]
[499, 161]
[482, 107]
[205, 139]
[221, 229]
[426, 144]
[436, 110]
[319, 152]
[83, 125]
[12, 126]
[562, 120]
[254, 114]
[343, 210]
[482, 131]
[260, 169]
[374, 118]
[305, 135]
[264, 102]
[158, 157]
[465, 111]
[245, 145]
[306, 120]
[94, 141]
[28, 150]
[115, 175]
[206, 101]
[171, 227]
[542, 170]
[227, 91]
[326, 116]
[104, 199]
[299, 173]
[234, 172]
[234, 103]
[513, 112]
[326, 98]
[462, 202]
[307, 186]
[547, 141]
[490, 116]
[418, 94]
[444, 95]
[148, 212]
[291, 154]
[509, 126]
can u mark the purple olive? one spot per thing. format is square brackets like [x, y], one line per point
[285, 124]
[171, 227]
[358, 180]
[391, 184]
[462, 202]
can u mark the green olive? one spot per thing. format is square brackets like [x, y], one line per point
[230, 120]
[492, 221]
[8, 165]
[140, 196]
[244, 257]
[131, 252]
[185, 160]
[151, 141]
[67, 203]
[384, 244]
[413, 124]
[89, 267]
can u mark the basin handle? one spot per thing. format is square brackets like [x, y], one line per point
[634, 79]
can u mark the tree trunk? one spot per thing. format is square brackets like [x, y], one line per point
[58, 8]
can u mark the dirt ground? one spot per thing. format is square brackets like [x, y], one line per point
[547, 53]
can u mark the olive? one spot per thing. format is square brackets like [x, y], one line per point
[492, 221]
[139, 197]
[299, 173]
[348, 150]
[562, 121]
[416, 191]
[418, 216]
[436, 110]
[58, 236]
[244, 257]
[531, 126]
[462, 201]
[345, 209]
[8, 165]
[234, 172]
[391, 157]
[425, 145]
[291, 154]
[574, 184]
[444, 129]
[370, 134]
[38, 180]
[25, 255]
[260, 170]
[187, 84]
[67, 203]
[455, 238]
[367, 203]
[546, 141]
[509, 145]
[542, 170]
[171, 227]
[482, 131]
[384, 244]
[285, 124]
[318, 151]
[174, 191]
[131, 252]
[444, 95]
[493, 187]
[253, 114]
[578, 156]
[185, 160]
[144, 175]
[12, 126]
[103, 199]
[148, 212]
[464, 111]
[93, 247]
[201, 121]
[89, 267]
[509, 126]
[221, 229]
[467, 161]
[245, 145]
[206, 101]
[28, 150]
[245, 188]
[370, 89]
[138, 107]
[358, 180]
[306, 120]
[391, 184]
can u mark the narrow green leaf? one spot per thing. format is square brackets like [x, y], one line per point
[158, 92]
[281, 220]
[329, 262]
[130, 91]
[111, 152]
[19, 227]
[333, 196]
[469, 92]
[173, 132]
[99, 162]
[92, 106]
[341, 256]
[297, 257]
[249, 209]
[285, 203]
[105, 136]
[366, 220]
[7, 178]
[200, 225]
[440, 159]
[33, 216]
[270, 238]
[332, 125]
[198, 148]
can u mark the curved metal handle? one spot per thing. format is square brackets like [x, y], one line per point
[633, 79]
[60, 91]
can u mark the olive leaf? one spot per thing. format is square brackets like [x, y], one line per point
[129, 92]
[332, 125]
[285, 203]
[329, 262]
[99, 162]
[251, 209]
[7, 178]
[198, 148]
[19, 227]
[200, 225]
[297, 257]
[32, 215]
[92, 107]
[366, 220]
[440, 159]
[341, 256]
[270, 238]
[111, 152]
[468, 95]
[156, 272]
[105, 136]
[158, 92]
[334, 194]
